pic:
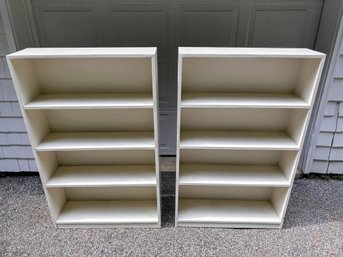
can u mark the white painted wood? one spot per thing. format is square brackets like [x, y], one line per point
[97, 141]
[236, 140]
[241, 52]
[92, 119]
[108, 213]
[208, 212]
[247, 100]
[105, 157]
[231, 175]
[90, 101]
[225, 192]
[110, 193]
[83, 52]
[246, 119]
[242, 117]
[103, 176]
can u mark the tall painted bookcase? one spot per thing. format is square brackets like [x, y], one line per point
[92, 118]
[242, 118]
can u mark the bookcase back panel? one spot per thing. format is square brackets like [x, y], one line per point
[106, 157]
[97, 120]
[35, 77]
[93, 75]
[228, 193]
[236, 75]
[237, 119]
[111, 193]
[230, 157]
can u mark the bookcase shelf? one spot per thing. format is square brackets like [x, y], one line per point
[103, 176]
[242, 117]
[92, 119]
[97, 141]
[90, 101]
[246, 100]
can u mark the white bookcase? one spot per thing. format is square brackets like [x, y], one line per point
[92, 118]
[242, 118]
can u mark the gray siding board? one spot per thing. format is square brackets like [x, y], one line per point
[10, 109]
[339, 68]
[32, 165]
[4, 70]
[340, 110]
[24, 165]
[9, 124]
[15, 151]
[319, 166]
[339, 124]
[9, 165]
[7, 92]
[322, 153]
[338, 140]
[336, 154]
[335, 168]
[325, 139]
[331, 109]
[14, 139]
[329, 124]
[336, 90]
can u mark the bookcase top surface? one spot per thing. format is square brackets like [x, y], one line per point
[248, 52]
[83, 52]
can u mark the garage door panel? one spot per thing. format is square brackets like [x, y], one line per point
[208, 25]
[284, 24]
[139, 25]
[68, 25]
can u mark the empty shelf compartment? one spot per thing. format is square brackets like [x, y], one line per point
[124, 213]
[103, 176]
[201, 212]
[237, 140]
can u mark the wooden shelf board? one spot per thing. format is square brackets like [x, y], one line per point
[215, 100]
[83, 52]
[90, 101]
[232, 175]
[244, 52]
[210, 212]
[103, 176]
[108, 212]
[97, 141]
[236, 140]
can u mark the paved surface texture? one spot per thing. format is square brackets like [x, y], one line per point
[313, 227]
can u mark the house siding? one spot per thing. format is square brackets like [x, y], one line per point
[15, 149]
[328, 153]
